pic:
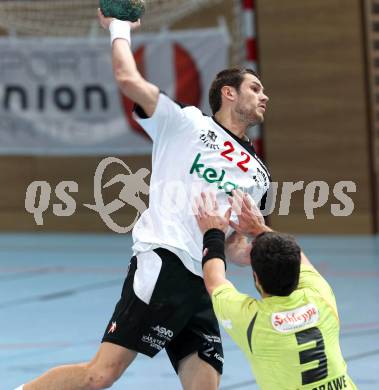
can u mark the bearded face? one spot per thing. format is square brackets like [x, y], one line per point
[251, 101]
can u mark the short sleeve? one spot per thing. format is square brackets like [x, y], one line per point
[311, 279]
[167, 115]
[235, 311]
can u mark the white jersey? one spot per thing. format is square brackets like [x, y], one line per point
[191, 153]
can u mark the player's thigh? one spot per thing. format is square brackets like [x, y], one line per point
[196, 352]
[195, 373]
[110, 362]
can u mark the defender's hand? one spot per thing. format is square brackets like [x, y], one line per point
[250, 219]
[208, 215]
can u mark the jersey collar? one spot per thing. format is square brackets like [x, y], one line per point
[248, 145]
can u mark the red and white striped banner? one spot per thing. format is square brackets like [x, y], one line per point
[250, 35]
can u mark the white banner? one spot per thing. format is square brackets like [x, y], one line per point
[58, 95]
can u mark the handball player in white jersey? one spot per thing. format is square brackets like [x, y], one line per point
[164, 303]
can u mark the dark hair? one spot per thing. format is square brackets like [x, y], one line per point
[232, 77]
[275, 258]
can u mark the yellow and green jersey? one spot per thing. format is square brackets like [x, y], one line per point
[291, 342]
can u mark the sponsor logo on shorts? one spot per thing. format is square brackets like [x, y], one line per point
[163, 332]
[208, 352]
[211, 353]
[218, 357]
[212, 339]
[301, 317]
[153, 342]
[112, 327]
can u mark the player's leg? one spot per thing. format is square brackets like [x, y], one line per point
[180, 318]
[100, 373]
[196, 353]
[121, 338]
[195, 373]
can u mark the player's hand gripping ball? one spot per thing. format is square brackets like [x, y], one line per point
[130, 10]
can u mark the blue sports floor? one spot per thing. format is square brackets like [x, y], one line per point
[57, 293]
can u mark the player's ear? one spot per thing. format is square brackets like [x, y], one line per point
[257, 283]
[228, 92]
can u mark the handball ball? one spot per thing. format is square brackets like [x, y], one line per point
[130, 10]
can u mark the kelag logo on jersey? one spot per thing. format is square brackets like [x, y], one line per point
[211, 175]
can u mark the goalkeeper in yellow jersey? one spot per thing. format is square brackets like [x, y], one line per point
[291, 335]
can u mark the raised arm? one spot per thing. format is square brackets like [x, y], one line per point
[128, 78]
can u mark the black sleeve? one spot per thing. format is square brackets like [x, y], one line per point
[139, 111]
